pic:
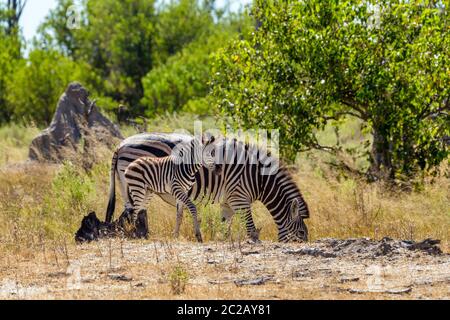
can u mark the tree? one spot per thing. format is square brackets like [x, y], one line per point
[9, 57]
[55, 33]
[185, 76]
[122, 41]
[14, 9]
[10, 48]
[383, 62]
[116, 39]
[180, 23]
[181, 83]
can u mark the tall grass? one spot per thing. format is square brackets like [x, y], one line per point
[14, 142]
[43, 201]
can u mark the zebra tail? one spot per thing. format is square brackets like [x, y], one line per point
[112, 190]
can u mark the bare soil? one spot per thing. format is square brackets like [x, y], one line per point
[324, 269]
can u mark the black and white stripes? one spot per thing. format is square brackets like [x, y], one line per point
[173, 174]
[243, 180]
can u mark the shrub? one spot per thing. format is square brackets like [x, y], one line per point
[178, 278]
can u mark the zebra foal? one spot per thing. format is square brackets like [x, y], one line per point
[173, 175]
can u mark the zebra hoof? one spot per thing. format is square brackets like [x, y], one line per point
[199, 238]
[254, 241]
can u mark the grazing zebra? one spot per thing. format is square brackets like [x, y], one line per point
[240, 183]
[173, 174]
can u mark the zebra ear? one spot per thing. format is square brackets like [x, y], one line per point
[207, 138]
[294, 209]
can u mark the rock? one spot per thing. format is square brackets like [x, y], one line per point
[92, 228]
[246, 253]
[219, 282]
[300, 274]
[253, 282]
[383, 249]
[76, 119]
[348, 279]
[391, 291]
[311, 252]
[368, 248]
[120, 277]
[427, 245]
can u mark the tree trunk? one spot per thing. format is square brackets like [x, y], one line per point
[15, 9]
[381, 156]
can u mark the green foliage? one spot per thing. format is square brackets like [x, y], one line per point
[201, 106]
[15, 141]
[71, 188]
[313, 61]
[178, 278]
[211, 223]
[34, 88]
[182, 82]
[214, 229]
[123, 40]
[183, 78]
[54, 33]
[117, 42]
[72, 192]
[115, 38]
[118, 48]
[178, 24]
[9, 58]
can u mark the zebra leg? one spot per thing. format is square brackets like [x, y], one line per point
[142, 223]
[227, 216]
[243, 206]
[193, 210]
[183, 198]
[141, 227]
[179, 219]
[139, 197]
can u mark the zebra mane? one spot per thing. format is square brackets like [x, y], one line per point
[283, 170]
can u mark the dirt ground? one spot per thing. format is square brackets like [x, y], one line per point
[152, 269]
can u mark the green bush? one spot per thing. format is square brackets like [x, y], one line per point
[178, 278]
[179, 23]
[71, 195]
[36, 85]
[183, 81]
[9, 58]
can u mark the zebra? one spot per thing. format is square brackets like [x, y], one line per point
[240, 183]
[173, 174]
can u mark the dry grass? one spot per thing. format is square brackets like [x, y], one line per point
[41, 208]
[15, 140]
[49, 201]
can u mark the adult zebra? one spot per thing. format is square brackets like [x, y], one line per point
[241, 182]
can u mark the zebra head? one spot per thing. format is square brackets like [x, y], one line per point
[296, 227]
[209, 159]
[198, 152]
